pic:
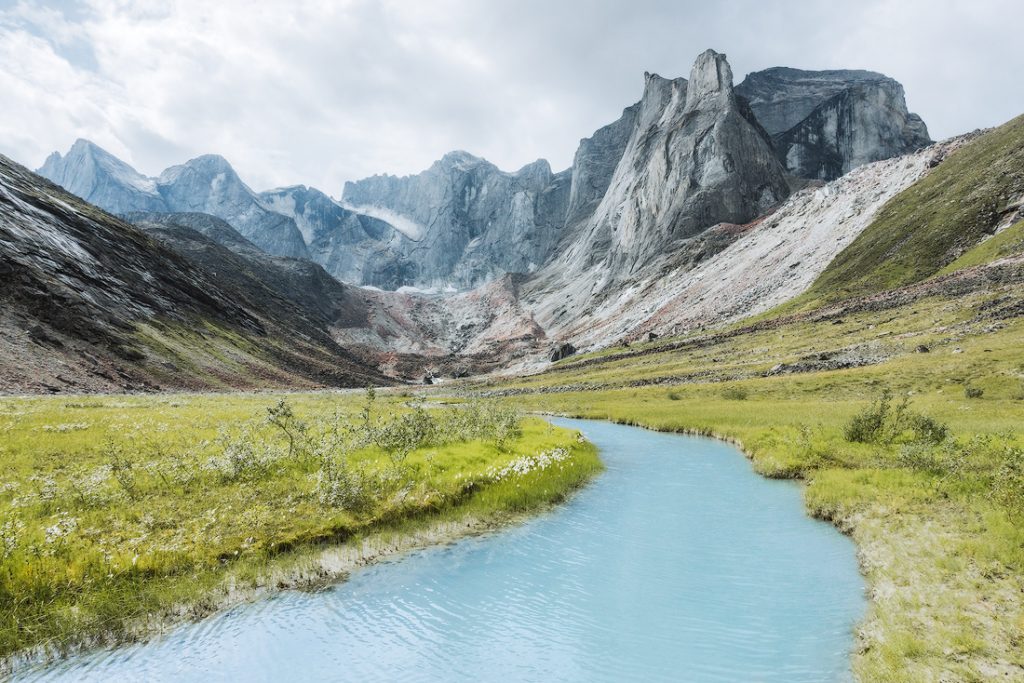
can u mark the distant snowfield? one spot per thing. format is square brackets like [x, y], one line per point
[402, 224]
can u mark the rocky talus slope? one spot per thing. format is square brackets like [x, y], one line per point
[761, 264]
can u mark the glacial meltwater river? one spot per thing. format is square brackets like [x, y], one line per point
[677, 564]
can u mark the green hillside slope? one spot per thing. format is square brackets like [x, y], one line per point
[932, 223]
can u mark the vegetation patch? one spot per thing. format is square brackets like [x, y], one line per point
[124, 511]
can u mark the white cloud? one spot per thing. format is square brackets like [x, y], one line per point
[321, 91]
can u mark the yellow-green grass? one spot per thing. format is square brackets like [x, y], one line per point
[930, 224]
[988, 350]
[941, 545]
[125, 511]
[1009, 242]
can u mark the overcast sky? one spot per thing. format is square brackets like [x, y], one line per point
[319, 92]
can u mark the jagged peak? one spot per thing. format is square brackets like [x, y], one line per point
[710, 80]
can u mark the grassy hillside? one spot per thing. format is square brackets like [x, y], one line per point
[929, 225]
[1009, 242]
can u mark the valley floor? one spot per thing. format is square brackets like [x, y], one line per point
[902, 412]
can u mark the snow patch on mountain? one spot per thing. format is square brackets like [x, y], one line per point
[402, 224]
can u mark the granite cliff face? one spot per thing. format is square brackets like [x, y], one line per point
[594, 164]
[825, 123]
[351, 246]
[466, 221]
[694, 157]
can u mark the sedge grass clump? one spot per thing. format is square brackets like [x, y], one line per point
[971, 391]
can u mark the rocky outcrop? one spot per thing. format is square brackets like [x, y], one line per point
[468, 221]
[826, 123]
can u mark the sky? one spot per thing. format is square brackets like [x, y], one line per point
[318, 92]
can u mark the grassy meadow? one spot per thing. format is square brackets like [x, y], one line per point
[121, 513]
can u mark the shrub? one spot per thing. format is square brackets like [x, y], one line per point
[735, 394]
[883, 423]
[244, 455]
[866, 426]
[406, 433]
[339, 485]
[973, 392]
[949, 458]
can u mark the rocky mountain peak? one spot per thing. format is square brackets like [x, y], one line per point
[92, 173]
[825, 123]
[460, 160]
[710, 81]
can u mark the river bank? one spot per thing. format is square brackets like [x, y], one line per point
[142, 512]
[943, 560]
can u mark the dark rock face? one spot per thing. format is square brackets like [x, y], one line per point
[563, 351]
[466, 221]
[826, 123]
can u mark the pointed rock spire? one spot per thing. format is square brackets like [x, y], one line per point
[710, 81]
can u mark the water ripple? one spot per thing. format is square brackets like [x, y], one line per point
[677, 564]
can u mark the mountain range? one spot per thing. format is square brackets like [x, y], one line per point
[704, 203]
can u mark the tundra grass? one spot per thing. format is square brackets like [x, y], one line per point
[1009, 242]
[126, 511]
[939, 525]
[933, 222]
